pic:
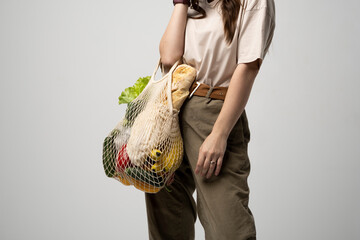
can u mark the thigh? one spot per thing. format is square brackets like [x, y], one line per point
[222, 202]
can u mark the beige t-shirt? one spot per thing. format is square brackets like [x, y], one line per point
[205, 46]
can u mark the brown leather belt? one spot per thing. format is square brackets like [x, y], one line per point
[202, 90]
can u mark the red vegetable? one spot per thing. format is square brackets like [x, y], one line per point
[123, 160]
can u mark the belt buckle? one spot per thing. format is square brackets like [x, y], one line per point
[192, 93]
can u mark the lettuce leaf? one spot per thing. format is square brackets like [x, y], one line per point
[131, 93]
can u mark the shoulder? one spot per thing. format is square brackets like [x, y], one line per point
[263, 5]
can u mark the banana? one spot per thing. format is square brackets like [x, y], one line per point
[168, 160]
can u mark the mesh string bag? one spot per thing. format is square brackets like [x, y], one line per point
[146, 147]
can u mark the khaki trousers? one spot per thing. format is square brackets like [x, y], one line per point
[222, 201]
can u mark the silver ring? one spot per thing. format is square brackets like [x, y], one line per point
[212, 162]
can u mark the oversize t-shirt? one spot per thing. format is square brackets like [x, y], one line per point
[206, 48]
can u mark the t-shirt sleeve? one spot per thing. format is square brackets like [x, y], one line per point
[255, 35]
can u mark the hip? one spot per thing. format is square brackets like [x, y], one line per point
[201, 113]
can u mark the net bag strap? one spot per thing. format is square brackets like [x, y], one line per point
[168, 76]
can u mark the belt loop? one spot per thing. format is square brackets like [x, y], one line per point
[208, 95]
[209, 92]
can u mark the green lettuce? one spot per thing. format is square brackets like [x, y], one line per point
[131, 93]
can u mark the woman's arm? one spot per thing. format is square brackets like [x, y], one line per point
[172, 42]
[213, 148]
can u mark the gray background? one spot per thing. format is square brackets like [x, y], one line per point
[64, 63]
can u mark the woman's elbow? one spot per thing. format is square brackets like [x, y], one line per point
[170, 58]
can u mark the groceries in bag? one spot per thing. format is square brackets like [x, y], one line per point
[145, 148]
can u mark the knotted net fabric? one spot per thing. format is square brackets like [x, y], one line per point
[146, 147]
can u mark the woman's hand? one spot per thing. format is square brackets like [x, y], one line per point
[211, 155]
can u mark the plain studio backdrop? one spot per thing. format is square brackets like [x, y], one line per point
[63, 65]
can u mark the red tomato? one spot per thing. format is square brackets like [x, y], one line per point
[123, 159]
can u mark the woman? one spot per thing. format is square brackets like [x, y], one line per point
[226, 41]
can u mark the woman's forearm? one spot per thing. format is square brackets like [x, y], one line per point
[172, 42]
[236, 98]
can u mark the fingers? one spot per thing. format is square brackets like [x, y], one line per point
[210, 156]
[218, 166]
[200, 162]
[208, 164]
[211, 169]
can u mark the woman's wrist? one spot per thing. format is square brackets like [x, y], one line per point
[221, 131]
[187, 2]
